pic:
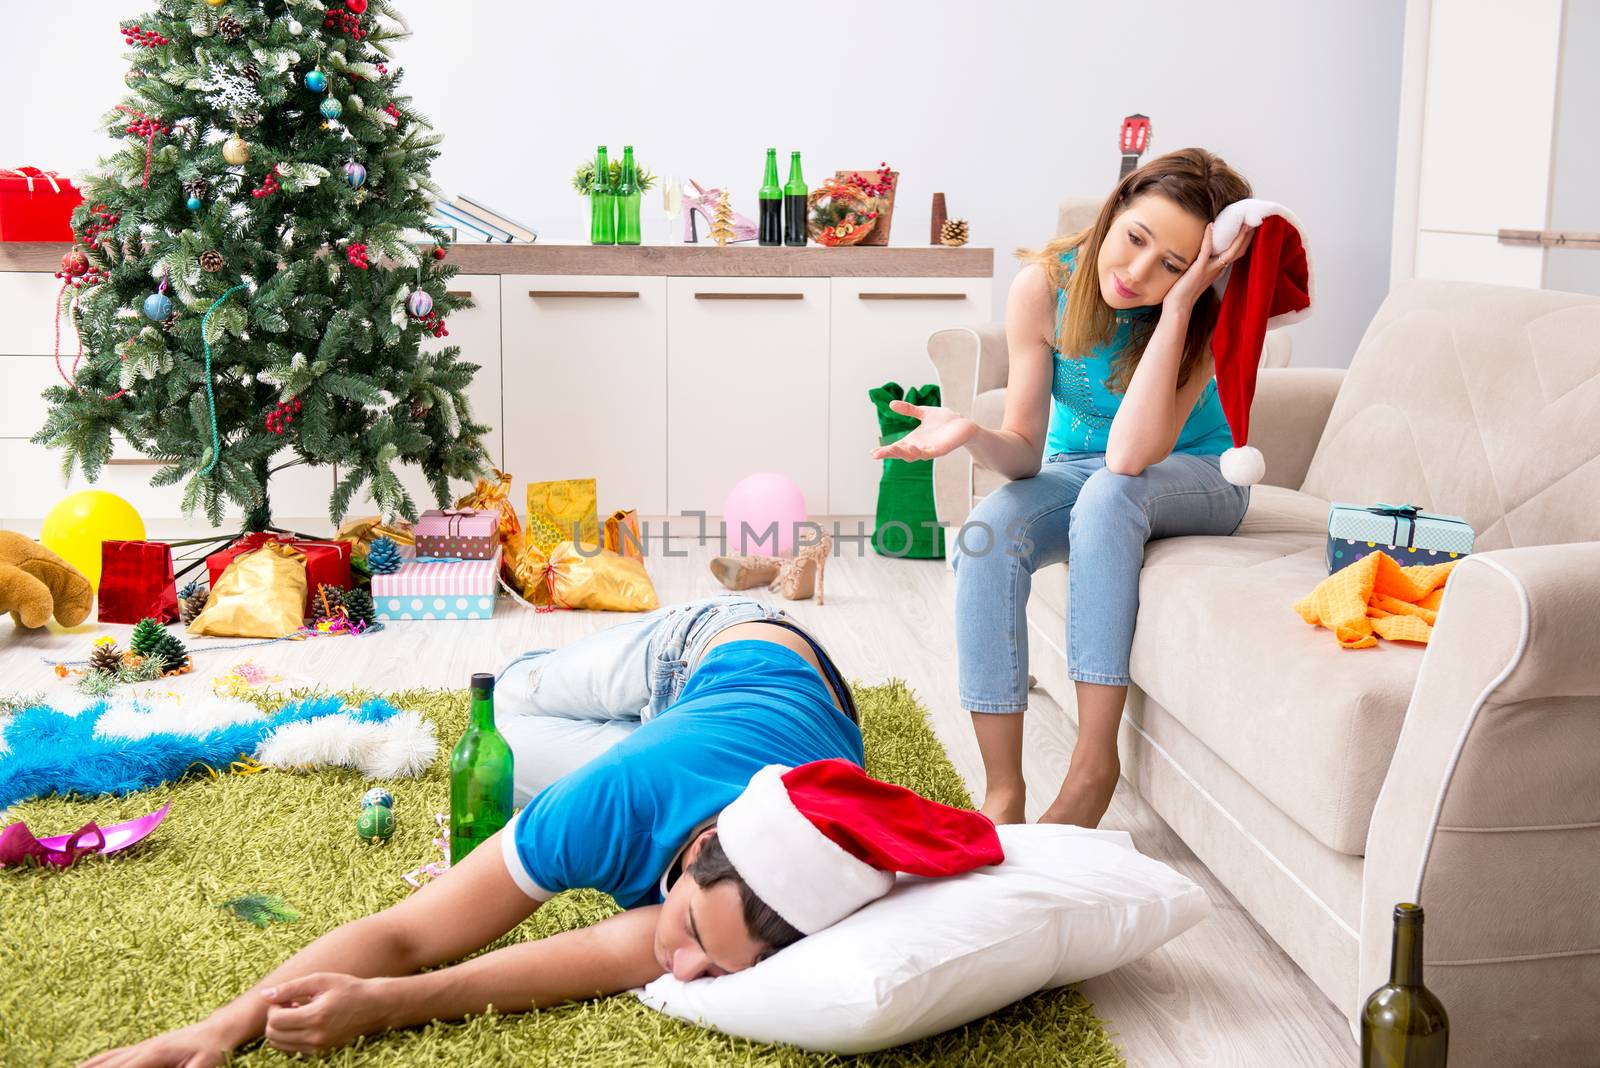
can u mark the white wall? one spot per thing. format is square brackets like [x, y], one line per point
[1575, 169]
[1004, 106]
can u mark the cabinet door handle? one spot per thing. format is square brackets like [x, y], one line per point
[912, 296]
[458, 293]
[749, 296]
[537, 294]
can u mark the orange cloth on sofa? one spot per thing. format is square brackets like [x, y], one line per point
[1375, 595]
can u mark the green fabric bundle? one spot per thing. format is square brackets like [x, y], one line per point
[905, 491]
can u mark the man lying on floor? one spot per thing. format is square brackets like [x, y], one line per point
[714, 739]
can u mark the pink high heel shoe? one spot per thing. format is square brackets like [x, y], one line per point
[705, 202]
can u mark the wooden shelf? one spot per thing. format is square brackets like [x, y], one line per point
[813, 261]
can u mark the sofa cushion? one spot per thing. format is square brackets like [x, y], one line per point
[1218, 643]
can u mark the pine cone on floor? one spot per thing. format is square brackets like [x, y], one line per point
[383, 558]
[172, 652]
[145, 635]
[327, 601]
[230, 27]
[954, 232]
[358, 606]
[211, 261]
[106, 658]
[193, 602]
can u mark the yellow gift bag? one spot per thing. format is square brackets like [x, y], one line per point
[593, 579]
[262, 594]
[495, 497]
[558, 509]
[622, 534]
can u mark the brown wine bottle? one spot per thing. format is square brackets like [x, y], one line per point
[1403, 1025]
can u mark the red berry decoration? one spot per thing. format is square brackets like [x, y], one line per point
[269, 185]
[346, 22]
[433, 324]
[146, 128]
[282, 416]
[392, 110]
[144, 38]
[356, 253]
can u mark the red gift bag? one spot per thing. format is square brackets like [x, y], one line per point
[326, 561]
[136, 582]
[36, 205]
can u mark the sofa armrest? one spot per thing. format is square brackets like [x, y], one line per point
[1290, 409]
[1490, 813]
[967, 360]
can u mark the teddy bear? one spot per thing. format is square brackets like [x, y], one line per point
[35, 582]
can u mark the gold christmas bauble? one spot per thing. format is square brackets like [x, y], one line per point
[236, 150]
[216, 3]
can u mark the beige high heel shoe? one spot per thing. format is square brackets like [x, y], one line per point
[744, 572]
[800, 575]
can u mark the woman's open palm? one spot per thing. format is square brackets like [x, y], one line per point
[939, 431]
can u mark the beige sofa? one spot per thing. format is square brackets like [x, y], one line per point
[1324, 785]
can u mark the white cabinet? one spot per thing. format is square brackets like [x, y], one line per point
[747, 387]
[476, 330]
[585, 382]
[880, 329]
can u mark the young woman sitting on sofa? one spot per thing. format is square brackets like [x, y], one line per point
[1111, 386]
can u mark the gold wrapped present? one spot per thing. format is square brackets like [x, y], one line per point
[562, 511]
[361, 533]
[262, 594]
[594, 579]
[622, 534]
[495, 496]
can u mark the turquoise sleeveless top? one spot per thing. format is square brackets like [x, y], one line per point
[1080, 417]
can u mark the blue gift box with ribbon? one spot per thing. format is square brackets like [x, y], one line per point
[1402, 531]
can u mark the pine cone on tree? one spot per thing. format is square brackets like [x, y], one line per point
[145, 635]
[230, 27]
[954, 232]
[197, 188]
[248, 119]
[211, 261]
[192, 601]
[106, 657]
[384, 557]
[172, 653]
[251, 71]
[359, 608]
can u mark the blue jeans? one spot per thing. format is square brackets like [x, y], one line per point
[1074, 508]
[560, 708]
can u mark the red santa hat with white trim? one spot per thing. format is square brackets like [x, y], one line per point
[1271, 285]
[819, 841]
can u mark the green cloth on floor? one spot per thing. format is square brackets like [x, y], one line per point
[119, 948]
[905, 489]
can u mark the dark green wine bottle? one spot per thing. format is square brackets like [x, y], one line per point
[1403, 1025]
[628, 197]
[602, 202]
[794, 204]
[771, 198]
[480, 776]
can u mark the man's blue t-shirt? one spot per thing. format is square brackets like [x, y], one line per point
[617, 823]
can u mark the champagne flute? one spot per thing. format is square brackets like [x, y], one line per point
[671, 203]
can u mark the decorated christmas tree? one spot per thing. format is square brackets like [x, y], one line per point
[246, 280]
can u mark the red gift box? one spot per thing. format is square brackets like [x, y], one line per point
[136, 582]
[36, 205]
[327, 562]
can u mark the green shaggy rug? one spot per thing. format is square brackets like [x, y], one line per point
[120, 948]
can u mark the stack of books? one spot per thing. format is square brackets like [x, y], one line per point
[471, 221]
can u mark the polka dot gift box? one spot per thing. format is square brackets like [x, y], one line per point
[463, 533]
[437, 589]
[1401, 531]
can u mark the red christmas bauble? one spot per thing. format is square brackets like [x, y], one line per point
[356, 6]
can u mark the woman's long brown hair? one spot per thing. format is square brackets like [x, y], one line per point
[1199, 182]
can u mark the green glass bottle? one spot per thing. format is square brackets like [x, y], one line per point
[1403, 1025]
[629, 196]
[794, 204]
[602, 202]
[770, 230]
[480, 776]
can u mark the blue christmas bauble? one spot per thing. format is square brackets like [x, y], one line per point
[378, 796]
[355, 174]
[194, 203]
[157, 307]
[316, 81]
[419, 304]
[331, 108]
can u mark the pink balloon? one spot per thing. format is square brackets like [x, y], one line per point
[762, 514]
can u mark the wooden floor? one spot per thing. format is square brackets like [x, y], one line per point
[1222, 994]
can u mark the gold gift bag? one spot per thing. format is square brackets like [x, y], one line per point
[622, 534]
[554, 508]
[361, 533]
[262, 594]
[495, 497]
[593, 579]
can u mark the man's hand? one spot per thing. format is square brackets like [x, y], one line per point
[201, 1045]
[322, 1011]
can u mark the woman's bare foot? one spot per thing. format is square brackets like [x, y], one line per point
[1084, 797]
[1004, 806]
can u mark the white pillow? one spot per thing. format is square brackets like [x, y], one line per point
[1065, 905]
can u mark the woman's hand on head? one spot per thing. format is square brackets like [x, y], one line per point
[1207, 267]
[200, 1045]
[939, 431]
